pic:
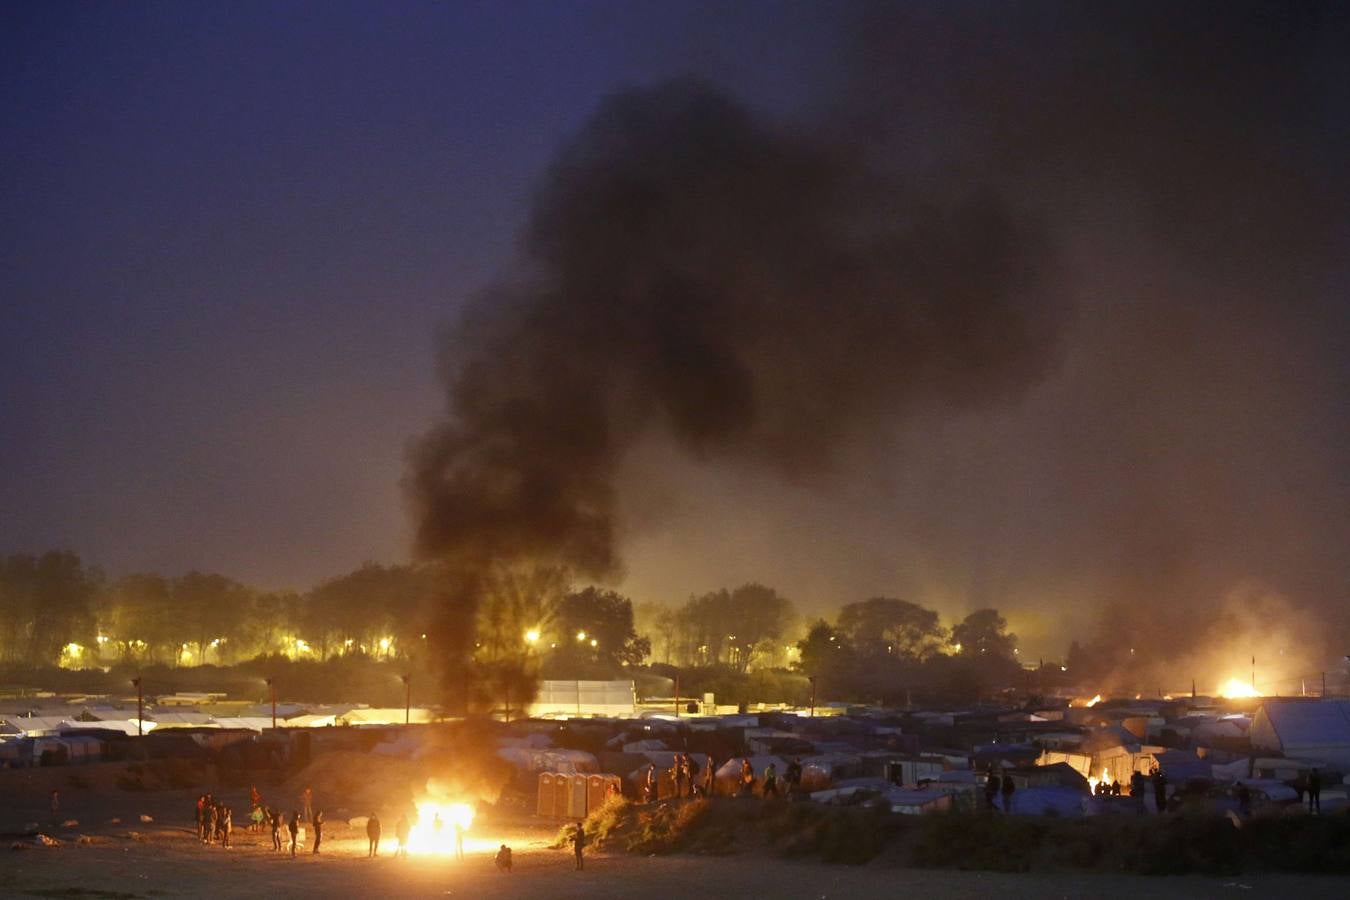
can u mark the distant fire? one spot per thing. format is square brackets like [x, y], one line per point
[1237, 689]
[1095, 700]
[434, 831]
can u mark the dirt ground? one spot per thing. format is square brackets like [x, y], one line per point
[132, 859]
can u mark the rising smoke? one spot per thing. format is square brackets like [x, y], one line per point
[1081, 265]
[755, 291]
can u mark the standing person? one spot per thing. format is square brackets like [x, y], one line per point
[274, 816]
[710, 779]
[1244, 799]
[1137, 786]
[677, 773]
[212, 823]
[1007, 789]
[459, 839]
[226, 827]
[294, 827]
[504, 859]
[201, 814]
[401, 830]
[1159, 790]
[770, 781]
[373, 836]
[1315, 791]
[691, 769]
[318, 829]
[991, 787]
[794, 775]
[578, 842]
[649, 786]
[307, 803]
[747, 777]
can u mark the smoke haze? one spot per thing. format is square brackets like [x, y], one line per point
[1042, 308]
[756, 293]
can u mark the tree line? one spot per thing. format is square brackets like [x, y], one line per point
[56, 610]
[493, 634]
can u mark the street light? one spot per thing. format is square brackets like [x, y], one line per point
[273, 689]
[407, 699]
[140, 706]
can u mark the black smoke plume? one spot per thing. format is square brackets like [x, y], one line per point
[758, 291]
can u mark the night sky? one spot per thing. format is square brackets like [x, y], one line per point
[236, 236]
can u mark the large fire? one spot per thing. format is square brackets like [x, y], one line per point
[434, 831]
[1237, 689]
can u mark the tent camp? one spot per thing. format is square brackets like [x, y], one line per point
[1305, 729]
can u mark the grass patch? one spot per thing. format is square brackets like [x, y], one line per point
[82, 892]
[722, 826]
[1150, 845]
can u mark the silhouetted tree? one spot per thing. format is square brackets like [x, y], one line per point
[887, 627]
[984, 632]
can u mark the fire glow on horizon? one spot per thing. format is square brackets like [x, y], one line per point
[1237, 689]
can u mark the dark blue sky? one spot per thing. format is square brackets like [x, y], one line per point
[231, 232]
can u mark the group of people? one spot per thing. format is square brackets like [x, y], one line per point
[402, 829]
[689, 779]
[1139, 787]
[1106, 788]
[215, 821]
[1311, 785]
[996, 787]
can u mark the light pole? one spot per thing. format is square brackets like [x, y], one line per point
[140, 706]
[272, 688]
[407, 698]
[677, 695]
[812, 679]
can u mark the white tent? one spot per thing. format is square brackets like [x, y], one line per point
[126, 726]
[36, 726]
[164, 720]
[253, 723]
[311, 721]
[385, 716]
[1309, 729]
[534, 761]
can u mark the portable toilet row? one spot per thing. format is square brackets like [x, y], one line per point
[572, 796]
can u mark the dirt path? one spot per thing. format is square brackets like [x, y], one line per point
[165, 860]
[169, 863]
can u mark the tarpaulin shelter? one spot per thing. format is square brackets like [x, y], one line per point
[1308, 729]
